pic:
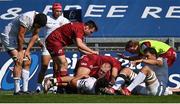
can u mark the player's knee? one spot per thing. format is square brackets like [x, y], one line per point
[127, 71]
[132, 75]
[122, 75]
[73, 83]
[27, 63]
[151, 77]
[18, 63]
[146, 70]
[64, 64]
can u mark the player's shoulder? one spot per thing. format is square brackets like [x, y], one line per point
[30, 13]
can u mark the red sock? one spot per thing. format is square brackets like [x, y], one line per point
[59, 80]
[58, 74]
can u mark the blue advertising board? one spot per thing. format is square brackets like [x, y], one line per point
[6, 67]
[115, 18]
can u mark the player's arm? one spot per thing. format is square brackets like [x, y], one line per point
[153, 62]
[114, 74]
[116, 67]
[149, 61]
[22, 31]
[84, 51]
[84, 48]
[32, 40]
[131, 58]
[40, 43]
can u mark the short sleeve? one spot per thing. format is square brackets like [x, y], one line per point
[24, 21]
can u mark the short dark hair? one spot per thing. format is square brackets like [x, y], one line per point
[150, 50]
[131, 43]
[101, 83]
[91, 24]
[40, 19]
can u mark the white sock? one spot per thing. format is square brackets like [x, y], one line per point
[25, 77]
[55, 80]
[138, 79]
[16, 84]
[39, 86]
[118, 83]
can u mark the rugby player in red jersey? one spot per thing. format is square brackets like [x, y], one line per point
[92, 65]
[68, 34]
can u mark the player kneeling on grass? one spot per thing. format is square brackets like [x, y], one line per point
[154, 74]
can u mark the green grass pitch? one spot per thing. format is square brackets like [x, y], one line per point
[8, 97]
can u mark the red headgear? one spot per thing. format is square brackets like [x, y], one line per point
[57, 6]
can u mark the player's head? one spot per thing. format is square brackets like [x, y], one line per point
[132, 46]
[105, 67]
[100, 84]
[40, 20]
[57, 10]
[90, 27]
[150, 53]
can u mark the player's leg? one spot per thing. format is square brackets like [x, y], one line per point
[45, 59]
[26, 73]
[59, 81]
[62, 65]
[155, 87]
[145, 71]
[16, 71]
[61, 78]
[85, 85]
[10, 44]
[125, 76]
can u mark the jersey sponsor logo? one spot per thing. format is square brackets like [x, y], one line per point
[60, 51]
[83, 63]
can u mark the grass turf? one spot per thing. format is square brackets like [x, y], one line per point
[8, 97]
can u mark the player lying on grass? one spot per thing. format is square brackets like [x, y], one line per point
[154, 73]
[91, 65]
[85, 84]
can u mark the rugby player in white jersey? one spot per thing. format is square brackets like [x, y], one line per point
[53, 21]
[154, 74]
[13, 41]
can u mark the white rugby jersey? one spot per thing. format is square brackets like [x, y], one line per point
[25, 19]
[53, 23]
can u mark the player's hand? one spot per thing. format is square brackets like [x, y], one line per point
[112, 82]
[96, 52]
[27, 55]
[133, 63]
[20, 56]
